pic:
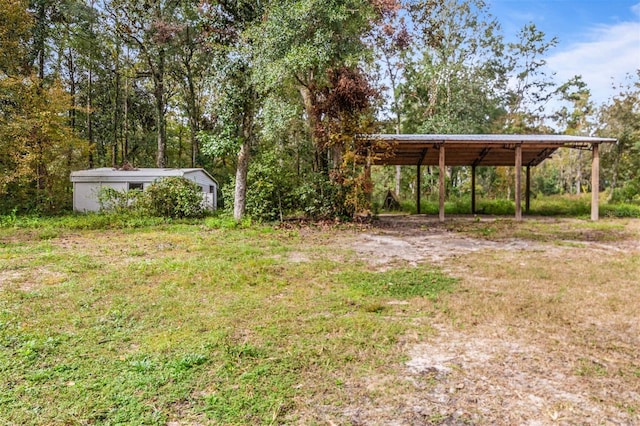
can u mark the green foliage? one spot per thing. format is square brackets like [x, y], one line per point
[620, 210]
[92, 85]
[38, 148]
[302, 39]
[171, 197]
[224, 221]
[628, 193]
[46, 226]
[271, 190]
[174, 197]
[453, 75]
[320, 198]
[113, 201]
[554, 205]
[15, 25]
[545, 179]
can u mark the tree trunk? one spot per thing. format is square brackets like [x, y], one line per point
[89, 102]
[160, 107]
[194, 118]
[320, 159]
[579, 174]
[193, 111]
[116, 114]
[240, 196]
[89, 123]
[125, 139]
[72, 89]
[39, 38]
[614, 172]
[240, 201]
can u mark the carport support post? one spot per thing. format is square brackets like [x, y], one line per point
[527, 190]
[418, 177]
[441, 180]
[473, 189]
[518, 182]
[595, 183]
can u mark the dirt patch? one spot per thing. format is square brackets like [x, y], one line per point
[541, 332]
[30, 279]
[493, 379]
[433, 246]
[416, 239]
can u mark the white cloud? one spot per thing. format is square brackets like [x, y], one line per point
[612, 52]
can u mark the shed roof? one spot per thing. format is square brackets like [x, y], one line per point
[141, 173]
[472, 150]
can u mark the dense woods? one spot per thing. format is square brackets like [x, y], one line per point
[268, 95]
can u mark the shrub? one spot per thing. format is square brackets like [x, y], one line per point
[114, 201]
[628, 193]
[174, 197]
[319, 198]
[270, 191]
[621, 210]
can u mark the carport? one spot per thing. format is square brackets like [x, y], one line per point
[483, 150]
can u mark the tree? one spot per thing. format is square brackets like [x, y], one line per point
[533, 87]
[151, 29]
[451, 85]
[621, 120]
[235, 98]
[576, 120]
[391, 40]
[302, 41]
[37, 146]
[188, 68]
[15, 28]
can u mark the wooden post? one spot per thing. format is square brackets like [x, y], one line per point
[527, 190]
[441, 163]
[418, 184]
[518, 195]
[473, 189]
[595, 183]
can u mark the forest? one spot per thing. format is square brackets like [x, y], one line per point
[269, 95]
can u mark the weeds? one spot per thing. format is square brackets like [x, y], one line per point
[553, 205]
[215, 322]
[202, 321]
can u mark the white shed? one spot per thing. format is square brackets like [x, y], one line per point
[87, 183]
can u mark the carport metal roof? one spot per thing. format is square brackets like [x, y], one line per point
[472, 150]
[482, 150]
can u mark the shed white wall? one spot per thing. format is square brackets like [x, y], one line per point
[205, 183]
[85, 194]
[201, 179]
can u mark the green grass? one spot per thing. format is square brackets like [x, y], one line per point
[111, 320]
[402, 283]
[555, 205]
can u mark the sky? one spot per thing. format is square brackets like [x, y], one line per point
[598, 39]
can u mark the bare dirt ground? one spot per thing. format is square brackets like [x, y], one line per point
[544, 331]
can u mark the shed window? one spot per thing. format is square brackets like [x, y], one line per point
[134, 185]
[212, 189]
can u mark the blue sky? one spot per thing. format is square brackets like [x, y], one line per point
[598, 39]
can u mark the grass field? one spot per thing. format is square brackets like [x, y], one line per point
[207, 322]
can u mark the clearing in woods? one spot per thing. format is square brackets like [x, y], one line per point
[543, 329]
[404, 321]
